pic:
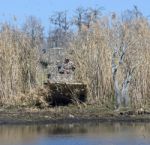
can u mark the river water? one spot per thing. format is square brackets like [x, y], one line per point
[76, 134]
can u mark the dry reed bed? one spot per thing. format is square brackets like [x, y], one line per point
[18, 65]
[91, 50]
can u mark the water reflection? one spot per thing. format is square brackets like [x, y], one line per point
[92, 133]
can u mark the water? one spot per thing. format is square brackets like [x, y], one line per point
[77, 134]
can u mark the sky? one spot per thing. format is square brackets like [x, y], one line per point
[20, 9]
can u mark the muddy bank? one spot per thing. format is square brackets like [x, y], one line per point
[71, 114]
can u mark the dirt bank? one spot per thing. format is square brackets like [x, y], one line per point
[71, 114]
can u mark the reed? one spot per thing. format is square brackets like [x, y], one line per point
[92, 50]
[18, 64]
[92, 56]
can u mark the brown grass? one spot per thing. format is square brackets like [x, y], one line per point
[18, 64]
[92, 51]
[92, 57]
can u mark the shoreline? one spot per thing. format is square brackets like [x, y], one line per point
[47, 117]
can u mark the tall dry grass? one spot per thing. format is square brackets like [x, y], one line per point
[92, 56]
[140, 87]
[18, 64]
[92, 48]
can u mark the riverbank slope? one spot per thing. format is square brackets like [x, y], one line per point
[70, 114]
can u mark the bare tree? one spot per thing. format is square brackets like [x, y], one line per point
[59, 20]
[129, 15]
[58, 36]
[86, 17]
[79, 17]
[34, 29]
[92, 15]
[121, 92]
[125, 59]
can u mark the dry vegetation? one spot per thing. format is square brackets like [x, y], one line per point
[91, 49]
[18, 67]
[92, 56]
